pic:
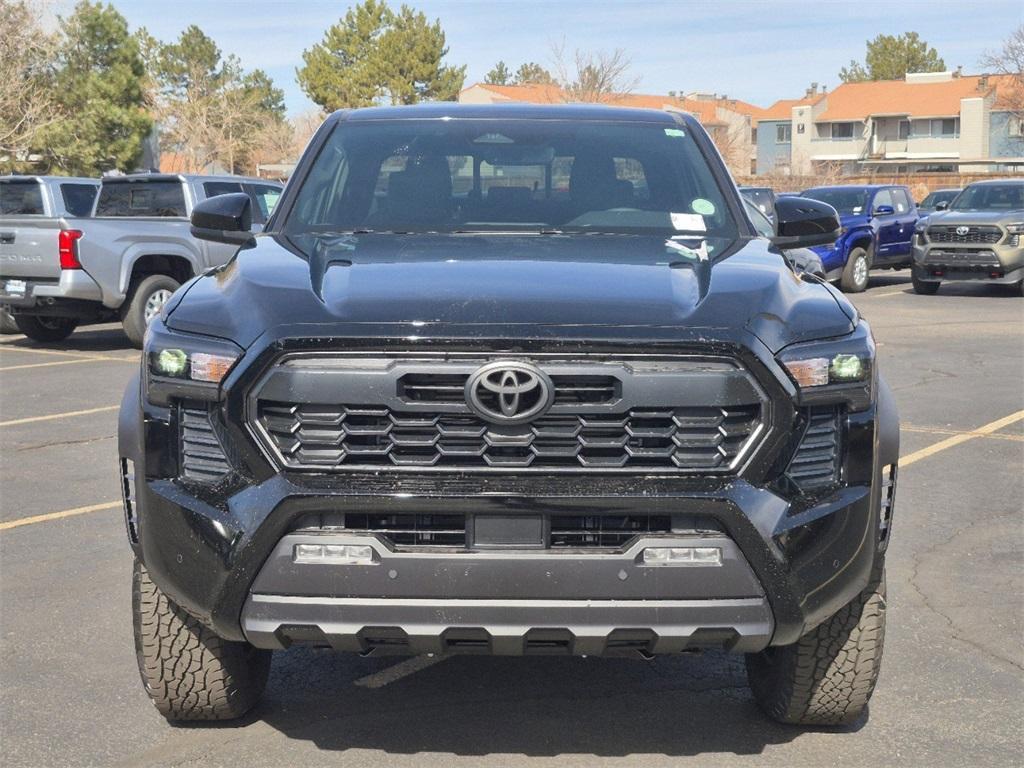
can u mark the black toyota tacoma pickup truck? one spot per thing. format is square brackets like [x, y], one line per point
[510, 380]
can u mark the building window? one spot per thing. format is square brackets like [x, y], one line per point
[842, 130]
[946, 127]
[1015, 126]
[904, 129]
[783, 133]
[800, 128]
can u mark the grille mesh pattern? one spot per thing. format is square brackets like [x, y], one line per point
[816, 462]
[202, 457]
[985, 235]
[310, 436]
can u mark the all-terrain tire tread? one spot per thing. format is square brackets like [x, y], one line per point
[828, 676]
[189, 672]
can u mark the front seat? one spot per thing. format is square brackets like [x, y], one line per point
[593, 185]
[421, 195]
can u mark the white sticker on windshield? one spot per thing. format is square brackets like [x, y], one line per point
[675, 132]
[688, 222]
[703, 207]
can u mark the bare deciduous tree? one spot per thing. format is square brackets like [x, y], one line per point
[598, 77]
[27, 99]
[1009, 61]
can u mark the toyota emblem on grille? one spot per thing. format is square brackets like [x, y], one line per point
[509, 392]
[963, 231]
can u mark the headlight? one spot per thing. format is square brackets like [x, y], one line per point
[1015, 229]
[835, 370]
[185, 365]
[920, 227]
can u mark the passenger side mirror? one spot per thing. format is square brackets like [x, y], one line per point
[884, 210]
[224, 219]
[801, 222]
[942, 206]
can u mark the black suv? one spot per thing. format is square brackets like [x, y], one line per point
[510, 380]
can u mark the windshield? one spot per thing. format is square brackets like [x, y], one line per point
[990, 197]
[849, 202]
[942, 196]
[514, 176]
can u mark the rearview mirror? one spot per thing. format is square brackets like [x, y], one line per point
[224, 219]
[801, 222]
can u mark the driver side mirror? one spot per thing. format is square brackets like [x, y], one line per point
[802, 223]
[224, 219]
[942, 206]
[884, 210]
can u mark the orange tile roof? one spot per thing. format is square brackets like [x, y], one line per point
[705, 111]
[783, 108]
[856, 101]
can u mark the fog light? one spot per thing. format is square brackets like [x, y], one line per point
[682, 556]
[334, 554]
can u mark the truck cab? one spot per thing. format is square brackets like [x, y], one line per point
[878, 223]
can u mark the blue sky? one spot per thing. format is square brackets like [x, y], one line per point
[755, 51]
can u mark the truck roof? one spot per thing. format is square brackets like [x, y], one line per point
[137, 177]
[437, 110]
[74, 179]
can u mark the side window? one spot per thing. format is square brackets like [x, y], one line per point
[214, 188]
[882, 197]
[265, 197]
[78, 198]
[901, 201]
[759, 220]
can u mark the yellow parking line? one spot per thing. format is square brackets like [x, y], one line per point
[963, 437]
[52, 416]
[937, 431]
[61, 353]
[43, 365]
[58, 515]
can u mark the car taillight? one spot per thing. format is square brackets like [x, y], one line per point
[67, 248]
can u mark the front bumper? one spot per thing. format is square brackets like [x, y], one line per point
[1000, 265]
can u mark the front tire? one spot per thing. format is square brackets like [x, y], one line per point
[924, 287]
[855, 273]
[45, 329]
[147, 300]
[189, 672]
[828, 675]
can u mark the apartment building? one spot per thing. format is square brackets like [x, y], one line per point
[940, 121]
[730, 122]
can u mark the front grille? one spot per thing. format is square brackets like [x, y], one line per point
[202, 457]
[982, 234]
[585, 531]
[450, 388]
[563, 531]
[321, 436]
[816, 463]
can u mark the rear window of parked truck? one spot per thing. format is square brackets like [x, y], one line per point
[148, 198]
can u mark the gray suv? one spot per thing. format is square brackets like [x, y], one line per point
[976, 237]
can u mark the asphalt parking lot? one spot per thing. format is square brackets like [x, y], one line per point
[952, 684]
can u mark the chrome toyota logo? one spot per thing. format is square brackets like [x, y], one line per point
[509, 392]
[963, 231]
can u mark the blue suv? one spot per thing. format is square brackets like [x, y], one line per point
[877, 231]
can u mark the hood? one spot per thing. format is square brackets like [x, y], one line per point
[953, 218]
[594, 286]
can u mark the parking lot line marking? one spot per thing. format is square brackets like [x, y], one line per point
[900, 292]
[949, 442]
[43, 365]
[60, 353]
[397, 671]
[58, 515]
[52, 416]
[938, 431]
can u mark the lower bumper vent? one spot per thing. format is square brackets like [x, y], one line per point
[817, 461]
[202, 456]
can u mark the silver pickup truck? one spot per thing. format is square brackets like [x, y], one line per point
[60, 267]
